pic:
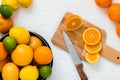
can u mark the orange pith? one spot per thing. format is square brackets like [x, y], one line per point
[92, 58]
[93, 48]
[73, 22]
[91, 36]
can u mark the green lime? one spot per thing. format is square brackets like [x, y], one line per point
[6, 10]
[9, 43]
[45, 71]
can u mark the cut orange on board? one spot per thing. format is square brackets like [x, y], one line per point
[91, 36]
[93, 48]
[92, 58]
[73, 22]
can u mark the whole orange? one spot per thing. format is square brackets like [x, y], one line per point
[5, 24]
[118, 30]
[103, 3]
[43, 55]
[22, 55]
[114, 12]
[3, 52]
[34, 42]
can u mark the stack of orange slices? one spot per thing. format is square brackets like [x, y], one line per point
[93, 45]
[73, 22]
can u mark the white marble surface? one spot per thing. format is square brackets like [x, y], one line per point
[44, 16]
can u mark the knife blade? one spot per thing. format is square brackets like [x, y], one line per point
[77, 61]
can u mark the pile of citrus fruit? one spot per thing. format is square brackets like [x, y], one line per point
[7, 8]
[93, 45]
[113, 11]
[24, 56]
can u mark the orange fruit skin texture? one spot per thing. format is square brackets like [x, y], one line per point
[34, 42]
[5, 24]
[114, 12]
[22, 55]
[43, 55]
[3, 52]
[118, 30]
[10, 72]
[103, 3]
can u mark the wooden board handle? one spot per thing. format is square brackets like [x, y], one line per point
[111, 54]
[79, 68]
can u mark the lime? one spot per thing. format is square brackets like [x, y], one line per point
[45, 71]
[12, 3]
[29, 73]
[9, 43]
[21, 34]
[6, 10]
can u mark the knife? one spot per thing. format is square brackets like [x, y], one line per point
[77, 61]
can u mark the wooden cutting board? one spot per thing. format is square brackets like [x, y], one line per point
[76, 38]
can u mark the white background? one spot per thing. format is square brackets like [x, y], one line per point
[44, 16]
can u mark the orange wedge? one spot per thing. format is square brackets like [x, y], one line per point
[93, 48]
[91, 36]
[92, 58]
[73, 22]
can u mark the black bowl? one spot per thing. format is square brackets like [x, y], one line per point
[45, 43]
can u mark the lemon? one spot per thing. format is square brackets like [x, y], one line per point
[12, 3]
[25, 3]
[21, 35]
[29, 73]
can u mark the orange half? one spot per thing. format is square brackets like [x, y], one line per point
[91, 36]
[93, 48]
[73, 22]
[92, 58]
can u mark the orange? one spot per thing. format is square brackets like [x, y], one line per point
[92, 58]
[34, 42]
[73, 22]
[93, 48]
[22, 55]
[3, 62]
[91, 36]
[118, 30]
[114, 12]
[103, 3]
[10, 72]
[5, 24]
[3, 52]
[43, 55]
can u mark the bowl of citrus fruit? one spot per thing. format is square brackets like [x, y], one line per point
[24, 55]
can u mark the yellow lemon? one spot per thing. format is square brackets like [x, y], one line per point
[29, 73]
[21, 34]
[25, 3]
[12, 3]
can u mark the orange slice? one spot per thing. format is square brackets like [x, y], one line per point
[93, 48]
[73, 22]
[91, 36]
[92, 58]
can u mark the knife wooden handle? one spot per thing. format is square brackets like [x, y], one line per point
[81, 72]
